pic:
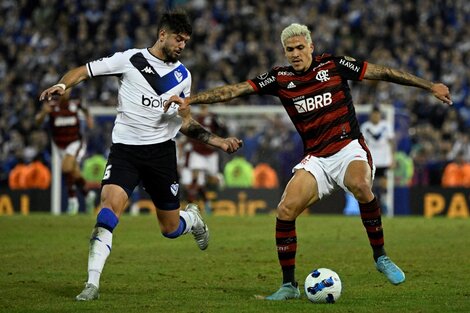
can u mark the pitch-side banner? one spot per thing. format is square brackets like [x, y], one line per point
[435, 201]
[426, 201]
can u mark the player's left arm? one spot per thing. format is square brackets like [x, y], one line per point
[380, 72]
[193, 129]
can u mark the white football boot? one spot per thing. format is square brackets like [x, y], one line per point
[199, 230]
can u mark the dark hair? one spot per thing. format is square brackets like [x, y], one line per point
[175, 21]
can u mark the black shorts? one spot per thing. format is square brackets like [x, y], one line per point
[153, 165]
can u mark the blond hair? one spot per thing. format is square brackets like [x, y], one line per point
[293, 30]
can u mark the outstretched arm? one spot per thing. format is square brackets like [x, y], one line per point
[219, 94]
[380, 72]
[41, 115]
[70, 79]
[193, 129]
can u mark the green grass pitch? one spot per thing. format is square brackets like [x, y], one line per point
[43, 262]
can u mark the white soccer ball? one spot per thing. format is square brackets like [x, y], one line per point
[323, 286]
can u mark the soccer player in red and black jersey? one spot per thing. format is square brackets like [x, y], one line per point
[202, 160]
[64, 125]
[315, 93]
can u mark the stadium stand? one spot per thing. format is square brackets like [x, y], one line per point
[240, 39]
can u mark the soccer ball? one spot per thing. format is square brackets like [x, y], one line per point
[323, 286]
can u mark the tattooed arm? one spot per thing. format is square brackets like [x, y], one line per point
[193, 129]
[379, 72]
[223, 93]
[219, 94]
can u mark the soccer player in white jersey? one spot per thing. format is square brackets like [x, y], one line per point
[143, 148]
[380, 138]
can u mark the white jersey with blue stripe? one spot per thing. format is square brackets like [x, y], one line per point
[146, 83]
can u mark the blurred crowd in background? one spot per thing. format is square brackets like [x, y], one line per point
[234, 40]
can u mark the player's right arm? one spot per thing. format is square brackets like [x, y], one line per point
[70, 79]
[218, 94]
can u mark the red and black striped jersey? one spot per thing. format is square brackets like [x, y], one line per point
[64, 122]
[318, 101]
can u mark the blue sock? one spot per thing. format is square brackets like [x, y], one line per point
[107, 219]
[178, 232]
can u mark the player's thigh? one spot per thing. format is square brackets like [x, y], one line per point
[300, 193]
[358, 174]
[160, 177]
[122, 169]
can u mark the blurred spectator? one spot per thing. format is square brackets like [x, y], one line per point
[17, 177]
[403, 170]
[427, 37]
[457, 173]
[461, 147]
[238, 173]
[64, 124]
[37, 175]
[379, 136]
[93, 170]
[265, 176]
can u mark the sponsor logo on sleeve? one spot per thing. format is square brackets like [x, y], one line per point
[349, 65]
[267, 81]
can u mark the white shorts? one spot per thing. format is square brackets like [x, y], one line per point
[76, 149]
[329, 171]
[206, 164]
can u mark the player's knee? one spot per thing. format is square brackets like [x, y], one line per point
[361, 189]
[286, 212]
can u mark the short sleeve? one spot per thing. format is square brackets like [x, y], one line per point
[350, 68]
[265, 83]
[111, 65]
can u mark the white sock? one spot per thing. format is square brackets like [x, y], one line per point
[100, 248]
[189, 219]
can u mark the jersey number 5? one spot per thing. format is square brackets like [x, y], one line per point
[107, 172]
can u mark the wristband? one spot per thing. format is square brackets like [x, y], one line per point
[61, 86]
